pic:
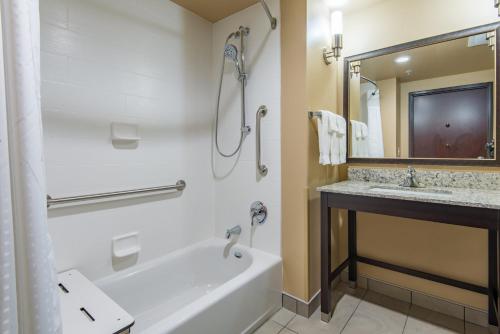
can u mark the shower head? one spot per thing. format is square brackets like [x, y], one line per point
[231, 52]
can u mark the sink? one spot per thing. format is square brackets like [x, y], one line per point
[415, 191]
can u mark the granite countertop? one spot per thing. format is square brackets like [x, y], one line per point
[480, 198]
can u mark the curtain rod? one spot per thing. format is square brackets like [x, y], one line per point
[272, 19]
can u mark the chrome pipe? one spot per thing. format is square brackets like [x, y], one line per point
[261, 112]
[179, 186]
[272, 19]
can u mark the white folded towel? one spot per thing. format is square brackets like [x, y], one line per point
[342, 140]
[338, 142]
[359, 136]
[324, 138]
[364, 130]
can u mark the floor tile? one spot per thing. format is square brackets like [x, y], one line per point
[475, 329]
[283, 316]
[287, 331]
[269, 327]
[345, 301]
[421, 320]
[378, 314]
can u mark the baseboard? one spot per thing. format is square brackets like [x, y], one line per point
[450, 308]
[301, 307]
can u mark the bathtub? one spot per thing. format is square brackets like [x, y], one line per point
[212, 287]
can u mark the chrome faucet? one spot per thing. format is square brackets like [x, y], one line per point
[233, 231]
[410, 179]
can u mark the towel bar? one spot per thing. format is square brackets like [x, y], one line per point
[179, 186]
[314, 114]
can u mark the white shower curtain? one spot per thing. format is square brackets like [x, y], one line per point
[29, 300]
[370, 105]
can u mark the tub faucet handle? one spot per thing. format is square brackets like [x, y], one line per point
[258, 212]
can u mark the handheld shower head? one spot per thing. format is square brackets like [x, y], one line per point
[231, 52]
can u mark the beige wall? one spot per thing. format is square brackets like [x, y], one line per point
[307, 84]
[294, 154]
[321, 94]
[442, 249]
[434, 83]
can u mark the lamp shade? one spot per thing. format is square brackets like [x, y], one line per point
[336, 23]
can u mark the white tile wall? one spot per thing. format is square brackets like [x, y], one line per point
[144, 62]
[152, 63]
[237, 181]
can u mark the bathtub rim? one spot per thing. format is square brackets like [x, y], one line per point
[261, 261]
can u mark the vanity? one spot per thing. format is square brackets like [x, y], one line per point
[429, 102]
[457, 206]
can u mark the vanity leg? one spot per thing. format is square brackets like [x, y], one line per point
[492, 276]
[353, 249]
[326, 260]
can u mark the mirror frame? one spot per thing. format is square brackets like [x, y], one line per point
[416, 44]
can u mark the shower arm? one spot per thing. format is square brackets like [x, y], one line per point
[272, 19]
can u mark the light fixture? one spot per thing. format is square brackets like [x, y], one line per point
[491, 38]
[337, 37]
[355, 68]
[402, 59]
[497, 5]
[334, 4]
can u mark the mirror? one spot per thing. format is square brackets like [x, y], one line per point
[432, 99]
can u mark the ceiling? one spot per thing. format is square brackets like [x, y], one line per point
[215, 10]
[350, 6]
[448, 58]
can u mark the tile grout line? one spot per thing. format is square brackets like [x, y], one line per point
[352, 314]
[408, 313]
[465, 327]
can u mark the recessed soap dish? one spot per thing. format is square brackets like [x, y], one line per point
[126, 245]
[124, 133]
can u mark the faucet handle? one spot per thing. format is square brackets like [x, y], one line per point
[258, 212]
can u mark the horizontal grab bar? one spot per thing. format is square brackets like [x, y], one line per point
[179, 186]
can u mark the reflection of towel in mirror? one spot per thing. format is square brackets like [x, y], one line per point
[359, 140]
[338, 140]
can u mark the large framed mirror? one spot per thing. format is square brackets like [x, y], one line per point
[431, 101]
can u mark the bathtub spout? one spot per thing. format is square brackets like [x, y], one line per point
[233, 231]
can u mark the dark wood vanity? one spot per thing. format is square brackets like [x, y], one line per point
[470, 216]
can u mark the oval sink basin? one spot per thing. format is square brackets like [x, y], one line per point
[401, 190]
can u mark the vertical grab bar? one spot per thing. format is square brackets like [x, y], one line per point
[261, 112]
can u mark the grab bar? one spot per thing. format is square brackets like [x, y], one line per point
[272, 19]
[261, 112]
[179, 186]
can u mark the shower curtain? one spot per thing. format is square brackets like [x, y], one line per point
[370, 105]
[29, 300]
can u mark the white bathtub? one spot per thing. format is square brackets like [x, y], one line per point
[204, 288]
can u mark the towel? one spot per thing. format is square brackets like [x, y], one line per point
[359, 138]
[338, 142]
[324, 138]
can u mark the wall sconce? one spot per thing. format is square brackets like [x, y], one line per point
[337, 38]
[497, 5]
[354, 68]
[491, 37]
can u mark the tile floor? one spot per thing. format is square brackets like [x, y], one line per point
[360, 311]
